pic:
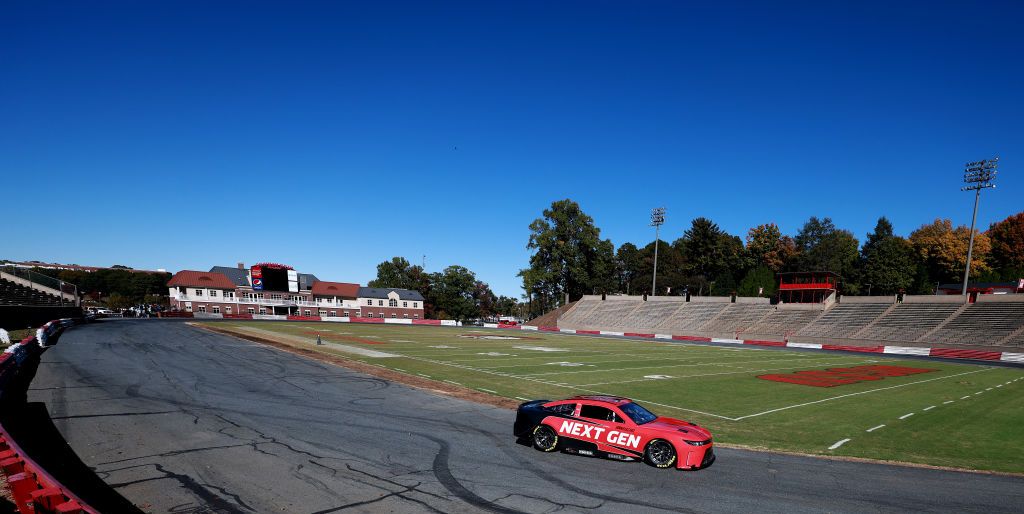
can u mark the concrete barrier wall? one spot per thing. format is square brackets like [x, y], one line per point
[27, 316]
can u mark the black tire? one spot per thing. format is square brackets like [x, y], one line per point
[660, 453]
[545, 439]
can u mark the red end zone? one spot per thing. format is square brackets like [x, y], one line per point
[832, 377]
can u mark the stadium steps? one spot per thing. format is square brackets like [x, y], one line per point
[582, 310]
[648, 315]
[886, 312]
[783, 322]
[938, 327]
[737, 317]
[984, 324]
[1016, 338]
[906, 322]
[12, 293]
[689, 318]
[550, 318]
[844, 320]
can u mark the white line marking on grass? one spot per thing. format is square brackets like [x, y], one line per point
[523, 399]
[838, 444]
[999, 385]
[422, 375]
[965, 397]
[872, 429]
[400, 369]
[858, 393]
[947, 402]
[487, 390]
[988, 389]
[453, 382]
[905, 416]
[930, 407]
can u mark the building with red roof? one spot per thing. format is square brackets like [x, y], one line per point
[277, 289]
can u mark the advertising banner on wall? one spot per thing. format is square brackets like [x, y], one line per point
[257, 278]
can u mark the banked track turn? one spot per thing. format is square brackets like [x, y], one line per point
[179, 419]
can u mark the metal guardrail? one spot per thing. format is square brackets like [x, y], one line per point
[43, 281]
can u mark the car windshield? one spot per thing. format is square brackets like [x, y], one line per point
[638, 414]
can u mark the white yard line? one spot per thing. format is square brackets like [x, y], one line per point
[838, 444]
[858, 394]
[523, 399]
[872, 429]
[487, 390]
[905, 416]
[965, 397]
[947, 402]
[453, 382]
[930, 407]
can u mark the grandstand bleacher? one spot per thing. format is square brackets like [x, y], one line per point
[844, 320]
[982, 323]
[907, 322]
[12, 293]
[781, 322]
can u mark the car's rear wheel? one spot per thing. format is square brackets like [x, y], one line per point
[545, 439]
[660, 454]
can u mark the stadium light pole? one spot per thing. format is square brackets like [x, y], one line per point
[657, 220]
[978, 175]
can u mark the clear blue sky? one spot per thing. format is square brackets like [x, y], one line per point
[332, 136]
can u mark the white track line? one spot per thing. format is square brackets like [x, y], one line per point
[859, 393]
[453, 382]
[905, 416]
[872, 429]
[930, 407]
[838, 444]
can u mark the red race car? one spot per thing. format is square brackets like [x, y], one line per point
[613, 427]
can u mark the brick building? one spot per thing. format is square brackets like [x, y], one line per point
[268, 288]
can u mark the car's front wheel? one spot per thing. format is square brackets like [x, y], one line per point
[544, 438]
[660, 454]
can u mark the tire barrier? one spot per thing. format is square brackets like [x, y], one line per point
[34, 490]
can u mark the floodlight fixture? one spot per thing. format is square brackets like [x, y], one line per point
[978, 175]
[657, 220]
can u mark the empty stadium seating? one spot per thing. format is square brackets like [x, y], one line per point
[737, 317]
[650, 314]
[907, 322]
[844, 320]
[981, 324]
[16, 294]
[781, 322]
[691, 318]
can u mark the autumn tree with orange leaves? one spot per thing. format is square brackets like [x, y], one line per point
[942, 250]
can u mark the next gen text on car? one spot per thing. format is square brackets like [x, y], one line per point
[616, 428]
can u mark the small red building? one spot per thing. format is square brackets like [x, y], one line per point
[807, 286]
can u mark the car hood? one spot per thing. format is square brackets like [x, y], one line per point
[686, 429]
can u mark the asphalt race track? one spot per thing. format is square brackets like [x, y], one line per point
[178, 419]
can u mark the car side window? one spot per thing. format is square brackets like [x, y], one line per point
[601, 413]
[565, 408]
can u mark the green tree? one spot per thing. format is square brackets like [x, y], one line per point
[823, 247]
[711, 256]
[394, 273]
[455, 293]
[672, 277]
[769, 248]
[1007, 239]
[887, 261]
[759, 281]
[569, 257]
[628, 263]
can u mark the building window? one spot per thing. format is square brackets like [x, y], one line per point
[415, 305]
[252, 310]
[334, 314]
[262, 310]
[405, 304]
[405, 315]
[188, 307]
[308, 313]
[369, 302]
[276, 297]
[345, 314]
[415, 316]
[202, 308]
[380, 303]
[322, 312]
[228, 295]
[213, 293]
[227, 310]
[216, 309]
[393, 315]
[199, 292]
[392, 303]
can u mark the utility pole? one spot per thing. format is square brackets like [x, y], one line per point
[978, 175]
[657, 220]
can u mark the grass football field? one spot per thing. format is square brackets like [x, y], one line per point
[960, 415]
